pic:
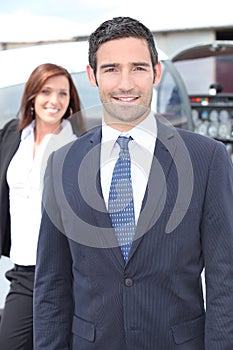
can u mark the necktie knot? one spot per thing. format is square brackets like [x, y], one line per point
[123, 142]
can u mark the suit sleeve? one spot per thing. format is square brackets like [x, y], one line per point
[53, 296]
[217, 240]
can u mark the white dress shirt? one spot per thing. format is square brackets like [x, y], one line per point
[141, 150]
[25, 179]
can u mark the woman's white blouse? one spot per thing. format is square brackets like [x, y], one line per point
[25, 181]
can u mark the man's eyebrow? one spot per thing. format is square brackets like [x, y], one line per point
[108, 65]
[133, 64]
[144, 64]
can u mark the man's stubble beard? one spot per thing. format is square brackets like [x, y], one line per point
[124, 114]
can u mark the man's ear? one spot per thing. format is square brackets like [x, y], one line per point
[91, 76]
[157, 73]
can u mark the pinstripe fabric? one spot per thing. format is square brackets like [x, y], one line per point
[88, 298]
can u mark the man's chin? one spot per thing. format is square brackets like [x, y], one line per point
[125, 114]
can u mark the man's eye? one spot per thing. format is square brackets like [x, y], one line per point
[140, 68]
[109, 70]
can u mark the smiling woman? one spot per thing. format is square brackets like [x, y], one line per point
[48, 102]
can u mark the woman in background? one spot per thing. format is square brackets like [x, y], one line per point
[49, 100]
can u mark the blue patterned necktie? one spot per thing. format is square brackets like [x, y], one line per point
[120, 204]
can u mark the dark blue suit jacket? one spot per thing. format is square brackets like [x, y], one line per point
[87, 298]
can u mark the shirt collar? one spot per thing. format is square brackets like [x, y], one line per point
[144, 134]
[29, 130]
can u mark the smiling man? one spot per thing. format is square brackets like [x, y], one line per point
[125, 79]
[133, 212]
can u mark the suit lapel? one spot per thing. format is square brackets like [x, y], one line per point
[8, 149]
[93, 192]
[155, 195]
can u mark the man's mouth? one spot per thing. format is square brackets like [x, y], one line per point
[126, 99]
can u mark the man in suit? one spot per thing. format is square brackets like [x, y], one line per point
[135, 284]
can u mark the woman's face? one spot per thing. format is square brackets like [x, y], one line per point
[52, 101]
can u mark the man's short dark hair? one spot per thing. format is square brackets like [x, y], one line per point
[118, 28]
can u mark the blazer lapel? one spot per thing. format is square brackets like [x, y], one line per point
[155, 195]
[9, 145]
[93, 192]
[8, 149]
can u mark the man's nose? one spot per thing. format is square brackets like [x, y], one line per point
[126, 81]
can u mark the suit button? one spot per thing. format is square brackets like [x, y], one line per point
[128, 282]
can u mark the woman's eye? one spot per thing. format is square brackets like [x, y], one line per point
[45, 92]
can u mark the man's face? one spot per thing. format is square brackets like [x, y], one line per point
[125, 78]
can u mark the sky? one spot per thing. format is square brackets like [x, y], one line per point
[35, 20]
